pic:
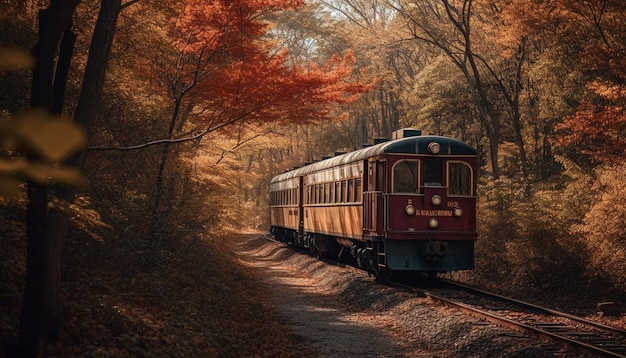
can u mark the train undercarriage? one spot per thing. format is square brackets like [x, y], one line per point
[383, 257]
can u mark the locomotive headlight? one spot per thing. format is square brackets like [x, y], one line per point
[433, 223]
[434, 147]
[457, 212]
[436, 200]
[409, 210]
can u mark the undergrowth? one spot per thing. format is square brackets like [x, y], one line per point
[190, 300]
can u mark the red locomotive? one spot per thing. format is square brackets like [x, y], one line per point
[408, 204]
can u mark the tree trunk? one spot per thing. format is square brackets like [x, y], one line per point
[42, 306]
[42, 309]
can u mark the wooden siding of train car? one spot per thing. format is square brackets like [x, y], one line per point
[339, 218]
[285, 217]
[284, 214]
[335, 220]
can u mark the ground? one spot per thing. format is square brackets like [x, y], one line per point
[240, 296]
[341, 312]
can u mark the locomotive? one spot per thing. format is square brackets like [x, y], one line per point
[405, 204]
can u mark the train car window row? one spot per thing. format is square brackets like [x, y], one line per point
[343, 191]
[284, 197]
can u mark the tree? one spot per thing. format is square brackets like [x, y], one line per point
[449, 26]
[589, 38]
[598, 126]
[42, 307]
[369, 28]
[42, 310]
[224, 71]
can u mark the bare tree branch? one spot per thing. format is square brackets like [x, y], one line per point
[195, 136]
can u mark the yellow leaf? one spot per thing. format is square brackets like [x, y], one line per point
[12, 166]
[42, 173]
[49, 136]
[15, 58]
[9, 186]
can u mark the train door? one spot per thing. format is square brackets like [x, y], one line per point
[300, 199]
[373, 198]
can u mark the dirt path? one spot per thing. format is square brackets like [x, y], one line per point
[314, 312]
[342, 312]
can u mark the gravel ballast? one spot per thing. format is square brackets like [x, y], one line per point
[343, 312]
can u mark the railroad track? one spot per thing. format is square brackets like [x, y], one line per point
[570, 330]
[566, 329]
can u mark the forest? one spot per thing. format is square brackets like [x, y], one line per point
[135, 135]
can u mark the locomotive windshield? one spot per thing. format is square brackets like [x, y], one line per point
[459, 179]
[405, 176]
[432, 172]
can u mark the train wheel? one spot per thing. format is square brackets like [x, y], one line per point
[384, 274]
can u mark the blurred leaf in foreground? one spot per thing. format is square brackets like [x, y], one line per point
[15, 59]
[51, 138]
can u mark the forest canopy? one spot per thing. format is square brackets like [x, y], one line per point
[183, 111]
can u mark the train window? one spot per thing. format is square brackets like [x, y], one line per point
[326, 193]
[432, 172]
[459, 179]
[343, 191]
[350, 197]
[318, 192]
[405, 176]
[337, 192]
[380, 175]
[358, 189]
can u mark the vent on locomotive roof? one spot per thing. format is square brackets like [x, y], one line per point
[406, 132]
[339, 153]
[379, 140]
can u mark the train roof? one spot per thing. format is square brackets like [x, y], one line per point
[415, 144]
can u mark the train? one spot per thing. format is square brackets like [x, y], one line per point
[403, 204]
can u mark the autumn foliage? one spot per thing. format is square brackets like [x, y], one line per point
[593, 33]
[597, 129]
[233, 72]
[214, 98]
